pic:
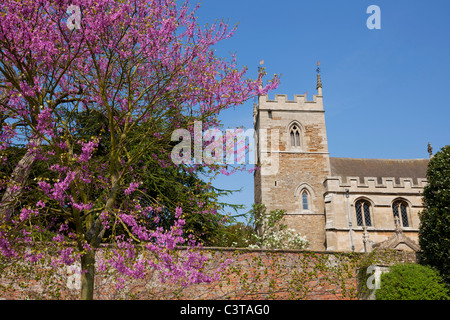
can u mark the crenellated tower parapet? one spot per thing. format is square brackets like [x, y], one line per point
[298, 104]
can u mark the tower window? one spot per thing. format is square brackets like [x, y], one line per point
[295, 136]
[363, 217]
[400, 210]
[305, 200]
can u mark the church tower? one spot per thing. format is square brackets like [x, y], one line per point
[292, 149]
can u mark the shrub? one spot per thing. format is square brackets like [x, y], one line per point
[412, 282]
[272, 233]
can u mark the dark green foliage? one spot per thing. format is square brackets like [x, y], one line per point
[412, 282]
[434, 233]
[163, 186]
[238, 235]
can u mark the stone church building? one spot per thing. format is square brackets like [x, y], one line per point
[338, 204]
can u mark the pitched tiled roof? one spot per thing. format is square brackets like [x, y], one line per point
[350, 167]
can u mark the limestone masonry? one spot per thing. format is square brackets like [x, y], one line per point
[339, 204]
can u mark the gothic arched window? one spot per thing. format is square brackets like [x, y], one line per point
[363, 217]
[400, 210]
[305, 200]
[295, 136]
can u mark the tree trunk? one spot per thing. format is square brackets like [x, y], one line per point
[18, 178]
[87, 275]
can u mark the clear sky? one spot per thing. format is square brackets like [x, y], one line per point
[385, 90]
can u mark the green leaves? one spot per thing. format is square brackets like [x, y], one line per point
[434, 232]
[412, 282]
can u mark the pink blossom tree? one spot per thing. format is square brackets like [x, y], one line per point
[147, 68]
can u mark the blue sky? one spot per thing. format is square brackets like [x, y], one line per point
[385, 91]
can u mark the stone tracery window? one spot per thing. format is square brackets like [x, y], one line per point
[295, 136]
[400, 210]
[363, 216]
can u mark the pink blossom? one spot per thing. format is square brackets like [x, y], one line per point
[25, 214]
[40, 204]
[132, 188]
[87, 149]
[174, 68]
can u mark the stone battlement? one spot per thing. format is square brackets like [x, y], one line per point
[281, 102]
[386, 184]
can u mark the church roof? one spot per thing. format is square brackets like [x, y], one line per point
[351, 167]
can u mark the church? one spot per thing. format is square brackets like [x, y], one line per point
[338, 204]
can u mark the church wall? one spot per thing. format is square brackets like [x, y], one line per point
[282, 192]
[342, 239]
[381, 198]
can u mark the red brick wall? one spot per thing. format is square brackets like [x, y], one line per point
[253, 274]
